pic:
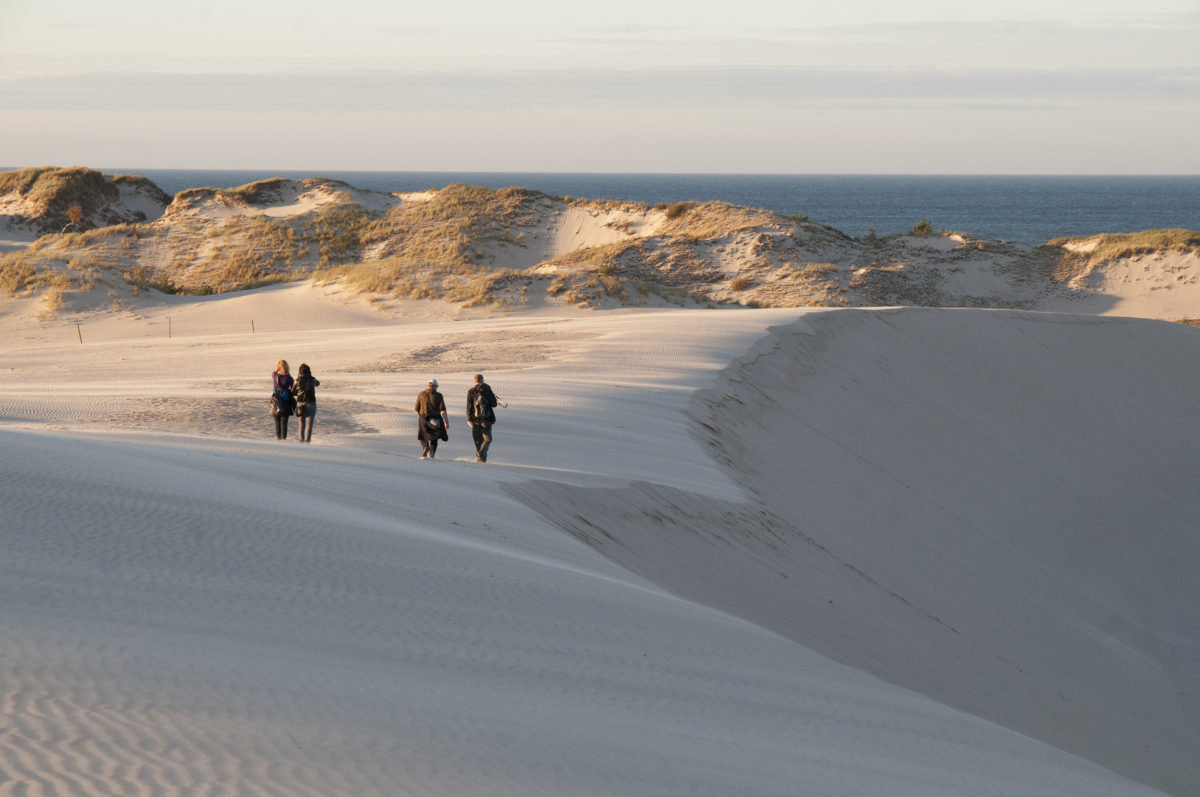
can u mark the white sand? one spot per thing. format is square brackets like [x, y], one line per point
[14, 240]
[566, 228]
[1160, 285]
[191, 607]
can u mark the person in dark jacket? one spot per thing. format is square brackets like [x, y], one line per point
[481, 402]
[281, 389]
[433, 424]
[305, 392]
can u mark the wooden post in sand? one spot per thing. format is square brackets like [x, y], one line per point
[78, 332]
[168, 326]
[251, 326]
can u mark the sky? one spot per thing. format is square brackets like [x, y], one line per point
[752, 86]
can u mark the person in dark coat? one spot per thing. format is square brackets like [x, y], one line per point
[281, 389]
[433, 424]
[305, 392]
[481, 402]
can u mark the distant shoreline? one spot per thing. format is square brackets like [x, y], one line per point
[1026, 209]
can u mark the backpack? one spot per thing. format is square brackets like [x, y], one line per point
[282, 402]
[482, 406]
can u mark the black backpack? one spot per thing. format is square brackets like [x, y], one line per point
[484, 401]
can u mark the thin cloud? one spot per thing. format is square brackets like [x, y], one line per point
[639, 30]
[715, 88]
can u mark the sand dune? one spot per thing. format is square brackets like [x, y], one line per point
[991, 508]
[191, 607]
[516, 246]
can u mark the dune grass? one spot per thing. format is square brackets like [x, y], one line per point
[26, 274]
[1116, 246]
[18, 273]
[54, 191]
[260, 192]
[406, 279]
[1072, 265]
[49, 185]
[707, 220]
[338, 230]
[451, 227]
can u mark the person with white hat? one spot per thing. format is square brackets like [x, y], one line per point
[433, 424]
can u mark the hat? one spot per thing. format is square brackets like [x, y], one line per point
[433, 382]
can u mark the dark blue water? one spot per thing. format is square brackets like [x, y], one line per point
[1030, 209]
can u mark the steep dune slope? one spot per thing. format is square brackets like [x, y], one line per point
[994, 508]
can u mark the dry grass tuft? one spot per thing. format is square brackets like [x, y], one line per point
[717, 219]
[1117, 246]
[450, 227]
[402, 279]
[1074, 265]
[53, 192]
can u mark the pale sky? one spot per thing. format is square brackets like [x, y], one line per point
[845, 86]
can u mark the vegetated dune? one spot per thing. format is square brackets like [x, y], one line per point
[37, 200]
[995, 509]
[508, 247]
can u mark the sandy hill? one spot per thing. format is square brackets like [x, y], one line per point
[514, 246]
[836, 551]
[910, 552]
[991, 508]
[39, 201]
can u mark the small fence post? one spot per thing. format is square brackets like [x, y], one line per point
[78, 332]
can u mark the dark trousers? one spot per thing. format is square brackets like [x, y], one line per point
[306, 421]
[481, 433]
[281, 426]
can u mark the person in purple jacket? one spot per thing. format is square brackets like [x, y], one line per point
[281, 381]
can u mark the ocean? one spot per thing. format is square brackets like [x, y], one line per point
[1027, 209]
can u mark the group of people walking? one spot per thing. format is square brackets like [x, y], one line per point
[299, 397]
[293, 397]
[433, 421]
